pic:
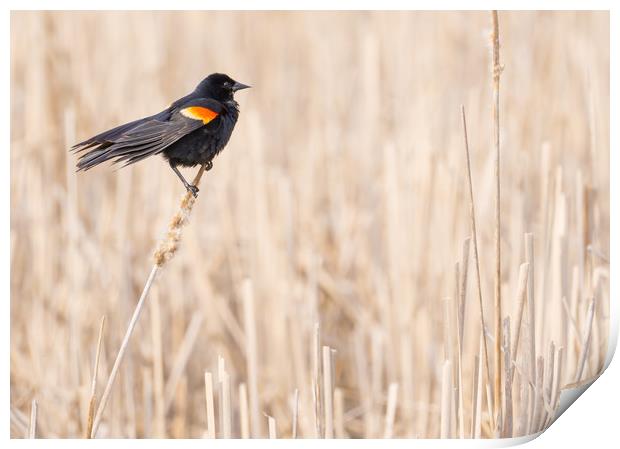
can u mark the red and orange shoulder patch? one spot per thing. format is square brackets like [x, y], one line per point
[199, 113]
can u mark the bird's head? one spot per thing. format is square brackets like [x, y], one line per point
[219, 86]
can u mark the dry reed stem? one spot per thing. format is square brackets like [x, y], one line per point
[295, 413]
[496, 69]
[316, 379]
[93, 385]
[390, 410]
[573, 346]
[531, 323]
[574, 341]
[460, 404]
[328, 392]
[548, 385]
[587, 338]
[538, 394]
[559, 366]
[164, 252]
[460, 316]
[273, 434]
[221, 370]
[123, 348]
[226, 425]
[32, 426]
[476, 401]
[446, 400]
[531, 304]
[531, 407]
[557, 379]
[472, 215]
[463, 292]
[521, 299]
[507, 427]
[244, 416]
[209, 405]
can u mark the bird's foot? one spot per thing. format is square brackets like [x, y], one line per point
[193, 189]
[208, 166]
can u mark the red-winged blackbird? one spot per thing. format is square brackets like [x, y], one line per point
[191, 131]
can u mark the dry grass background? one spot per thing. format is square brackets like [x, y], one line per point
[340, 200]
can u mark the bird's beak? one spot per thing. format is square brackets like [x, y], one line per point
[238, 86]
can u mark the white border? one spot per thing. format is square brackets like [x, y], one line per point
[591, 421]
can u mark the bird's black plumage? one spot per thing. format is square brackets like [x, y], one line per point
[191, 131]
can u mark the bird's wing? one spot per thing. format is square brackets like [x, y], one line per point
[137, 140]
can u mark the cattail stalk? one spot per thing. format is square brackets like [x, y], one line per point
[164, 253]
[498, 288]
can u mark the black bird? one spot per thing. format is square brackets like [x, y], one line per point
[191, 131]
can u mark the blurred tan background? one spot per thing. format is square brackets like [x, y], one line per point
[341, 199]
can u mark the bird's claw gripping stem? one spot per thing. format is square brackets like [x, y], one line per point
[193, 189]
